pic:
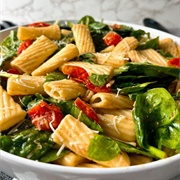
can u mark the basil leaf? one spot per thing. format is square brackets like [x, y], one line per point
[86, 20]
[103, 148]
[55, 76]
[87, 57]
[98, 80]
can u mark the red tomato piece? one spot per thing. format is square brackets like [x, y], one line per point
[24, 45]
[39, 24]
[45, 115]
[174, 62]
[76, 73]
[87, 109]
[112, 38]
[13, 71]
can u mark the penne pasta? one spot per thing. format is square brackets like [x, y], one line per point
[126, 45]
[69, 52]
[139, 159]
[118, 127]
[34, 55]
[83, 38]
[76, 136]
[11, 112]
[110, 101]
[51, 32]
[64, 89]
[168, 45]
[25, 85]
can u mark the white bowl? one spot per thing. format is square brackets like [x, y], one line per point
[25, 169]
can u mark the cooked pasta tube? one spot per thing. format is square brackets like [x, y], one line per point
[110, 101]
[126, 45]
[11, 112]
[65, 32]
[148, 55]
[83, 38]
[178, 48]
[118, 127]
[107, 49]
[69, 52]
[76, 136]
[168, 45]
[25, 85]
[91, 68]
[112, 59]
[117, 112]
[91, 165]
[64, 89]
[139, 159]
[70, 159]
[34, 55]
[51, 32]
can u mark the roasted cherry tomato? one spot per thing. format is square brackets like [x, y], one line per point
[112, 38]
[24, 45]
[80, 75]
[174, 62]
[45, 116]
[39, 24]
[13, 71]
[87, 109]
[76, 73]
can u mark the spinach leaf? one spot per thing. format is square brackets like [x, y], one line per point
[103, 148]
[87, 57]
[9, 46]
[152, 43]
[98, 80]
[55, 76]
[86, 20]
[156, 121]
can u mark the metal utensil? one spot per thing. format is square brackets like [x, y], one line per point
[154, 24]
[6, 24]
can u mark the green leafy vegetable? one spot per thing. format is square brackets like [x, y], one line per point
[98, 80]
[87, 57]
[157, 122]
[103, 148]
[29, 143]
[9, 46]
[55, 76]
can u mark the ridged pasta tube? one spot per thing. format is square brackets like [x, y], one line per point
[118, 127]
[139, 159]
[126, 45]
[83, 38]
[11, 112]
[52, 32]
[25, 85]
[69, 52]
[34, 55]
[168, 45]
[76, 136]
[64, 89]
[110, 101]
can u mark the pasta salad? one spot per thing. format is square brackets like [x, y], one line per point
[89, 94]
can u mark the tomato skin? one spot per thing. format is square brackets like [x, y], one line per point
[13, 71]
[112, 38]
[24, 45]
[43, 114]
[87, 109]
[80, 75]
[39, 24]
[174, 62]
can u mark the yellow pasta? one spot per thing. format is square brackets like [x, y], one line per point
[178, 49]
[126, 45]
[91, 165]
[110, 101]
[83, 38]
[11, 112]
[148, 55]
[51, 32]
[34, 55]
[64, 89]
[78, 138]
[168, 45]
[118, 127]
[139, 159]
[112, 59]
[25, 85]
[70, 159]
[107, 49]
[69, 52]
